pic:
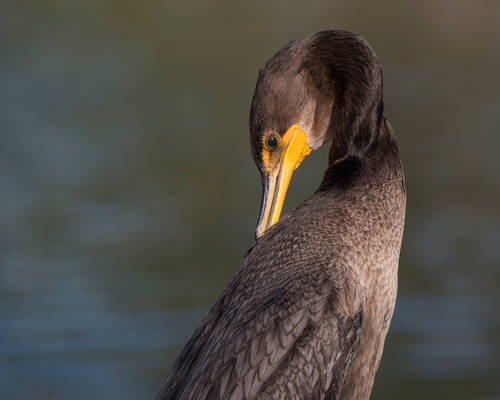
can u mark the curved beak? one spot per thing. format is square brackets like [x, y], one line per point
[277, 174]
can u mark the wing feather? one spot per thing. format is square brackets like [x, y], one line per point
[291, 342]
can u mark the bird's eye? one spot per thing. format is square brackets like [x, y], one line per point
[271, 142]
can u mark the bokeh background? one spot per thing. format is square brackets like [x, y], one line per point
[128, 194]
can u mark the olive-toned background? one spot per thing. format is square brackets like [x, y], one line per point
[128, 194]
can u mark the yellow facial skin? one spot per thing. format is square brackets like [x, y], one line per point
[279, 163]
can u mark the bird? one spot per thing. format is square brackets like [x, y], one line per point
[307, 313]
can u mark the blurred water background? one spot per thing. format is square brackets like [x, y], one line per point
[128, 194]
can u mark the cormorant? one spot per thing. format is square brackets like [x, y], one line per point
[306, 315]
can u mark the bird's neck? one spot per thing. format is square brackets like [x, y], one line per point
[375, 156]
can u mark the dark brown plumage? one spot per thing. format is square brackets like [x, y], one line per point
[306, 315]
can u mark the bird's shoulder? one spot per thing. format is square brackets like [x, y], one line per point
[281, 305]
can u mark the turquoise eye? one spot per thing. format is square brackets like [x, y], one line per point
[271, 142]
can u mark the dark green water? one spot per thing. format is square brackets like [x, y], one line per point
[129, 195]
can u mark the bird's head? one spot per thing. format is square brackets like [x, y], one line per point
[327, 86]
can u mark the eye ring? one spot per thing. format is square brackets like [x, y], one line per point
[271, 142]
